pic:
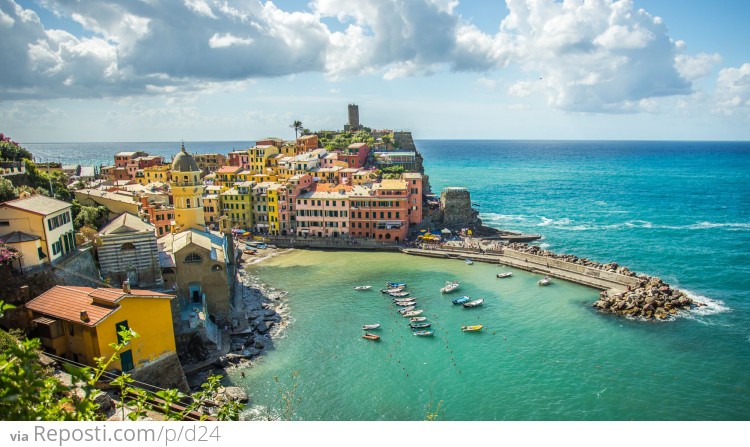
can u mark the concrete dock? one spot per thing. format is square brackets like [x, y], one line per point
[613, 283]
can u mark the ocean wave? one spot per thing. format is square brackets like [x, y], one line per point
[504, 217]
[544, 246]
[555, 222]
[709, 307]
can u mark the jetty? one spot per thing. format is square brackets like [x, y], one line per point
[612, 283]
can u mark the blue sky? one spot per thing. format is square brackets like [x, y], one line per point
[152, 70]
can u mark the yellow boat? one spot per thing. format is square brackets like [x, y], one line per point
[476, 327]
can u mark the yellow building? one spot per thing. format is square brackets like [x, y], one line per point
[273, 208]
[39, 216]
[227, 175]
[187, 192]
[237, 205]
[211, 211]
[158, 173]
[115, 201]
[80, 323]
[259, 155]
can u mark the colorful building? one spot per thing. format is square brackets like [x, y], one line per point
[81, 323]
[237, 205]
[259, 155]
[187, 192]
[128, 252]
[46, 218]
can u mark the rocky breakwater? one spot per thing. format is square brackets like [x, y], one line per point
[261, 318]
[650, 298]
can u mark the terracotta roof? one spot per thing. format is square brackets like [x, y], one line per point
[67, 302]
[39, 204]
[228, 169]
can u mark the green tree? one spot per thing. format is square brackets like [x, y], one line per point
[297, 126]
[91, 216]
[7, 191]
[12, 151]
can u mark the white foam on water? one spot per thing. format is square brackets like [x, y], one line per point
[709, 307]
[557, 222]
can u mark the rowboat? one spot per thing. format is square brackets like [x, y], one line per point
[366, 327]
[413, 313]
[421, 325]
[449, 287]
[545, 281]
[424, 333]
[403, 300]
[417, 319]
[474, 303]
[461, 300]
[370, 336]
[393, 285]
[505, 275]
[405, 309]
[476, 327]
[399, 294]
[362, 287]
[469, 261]
[391, 290]
[406, 303]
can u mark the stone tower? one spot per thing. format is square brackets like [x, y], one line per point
[187, 193]
[353, 118]
[455, 202]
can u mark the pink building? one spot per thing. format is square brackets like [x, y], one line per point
[380, 212]
[355, 155]
[324, 211]
[239, 158]
[414, 186]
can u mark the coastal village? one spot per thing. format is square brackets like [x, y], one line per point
[158, 247]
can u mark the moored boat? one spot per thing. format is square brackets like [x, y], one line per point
[474, 303]
[476, 327]
[370, 336]
[402, 300]
[417, 319]
[424, 333]
[402, 311]
[449, 287]
[362, 287]
[461, 300]
[505, 275]
[469, 261]
[399, 294]
[392, 290]
[393, 285]
[406, 303]
[413, 313]
[367, 327]
[545, 281]
[420, 325]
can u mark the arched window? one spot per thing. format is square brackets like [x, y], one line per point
[193, 257]
[216, 268]
[167, 270]
[188, 203]
[127, 246]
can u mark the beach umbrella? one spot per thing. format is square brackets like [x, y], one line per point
[445, 231]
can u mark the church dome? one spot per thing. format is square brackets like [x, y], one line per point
[184, 162]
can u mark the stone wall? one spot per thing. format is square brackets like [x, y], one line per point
[79, 269]
[165, 372]
[455, 204]
[569, 266]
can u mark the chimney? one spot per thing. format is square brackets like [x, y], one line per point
[126, 286]
[84, 316]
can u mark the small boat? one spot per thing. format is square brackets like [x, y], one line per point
[449, 287]
[406, 303]
[393, 285]
[406, 309]
[367, 327]
[505, 275]
[461, 300]
[424, 333]
[370, 336]
[249, 252]
[421, 325]
[402, 300]
[413, 313]
[474, 303]
[417, 319]
[392, 290]
[399, 294]
[362, 287]
[476, 327]
[469, 261]
[545, 281]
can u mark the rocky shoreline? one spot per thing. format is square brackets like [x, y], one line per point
[651, 298]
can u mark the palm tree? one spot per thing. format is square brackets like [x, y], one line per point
[297, 126]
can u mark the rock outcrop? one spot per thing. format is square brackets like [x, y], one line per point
[652, 298]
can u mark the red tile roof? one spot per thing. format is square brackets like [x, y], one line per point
[67, 302]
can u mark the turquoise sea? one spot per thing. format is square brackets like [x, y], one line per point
[678, 210]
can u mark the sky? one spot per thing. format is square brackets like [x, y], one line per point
[237, 70]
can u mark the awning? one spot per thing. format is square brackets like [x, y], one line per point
[445, 231]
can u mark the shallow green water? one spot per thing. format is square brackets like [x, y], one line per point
[544, 353]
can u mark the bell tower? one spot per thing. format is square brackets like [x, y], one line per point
[187, 193]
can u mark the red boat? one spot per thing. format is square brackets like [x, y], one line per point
[371, 336]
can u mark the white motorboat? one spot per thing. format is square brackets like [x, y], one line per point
[545, 281]
[449, 287]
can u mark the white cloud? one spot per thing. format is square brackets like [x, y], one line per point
[695, 67]
[733, 91]
[520, 89]
[486, 82]
[227, 40]
[200, 7]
